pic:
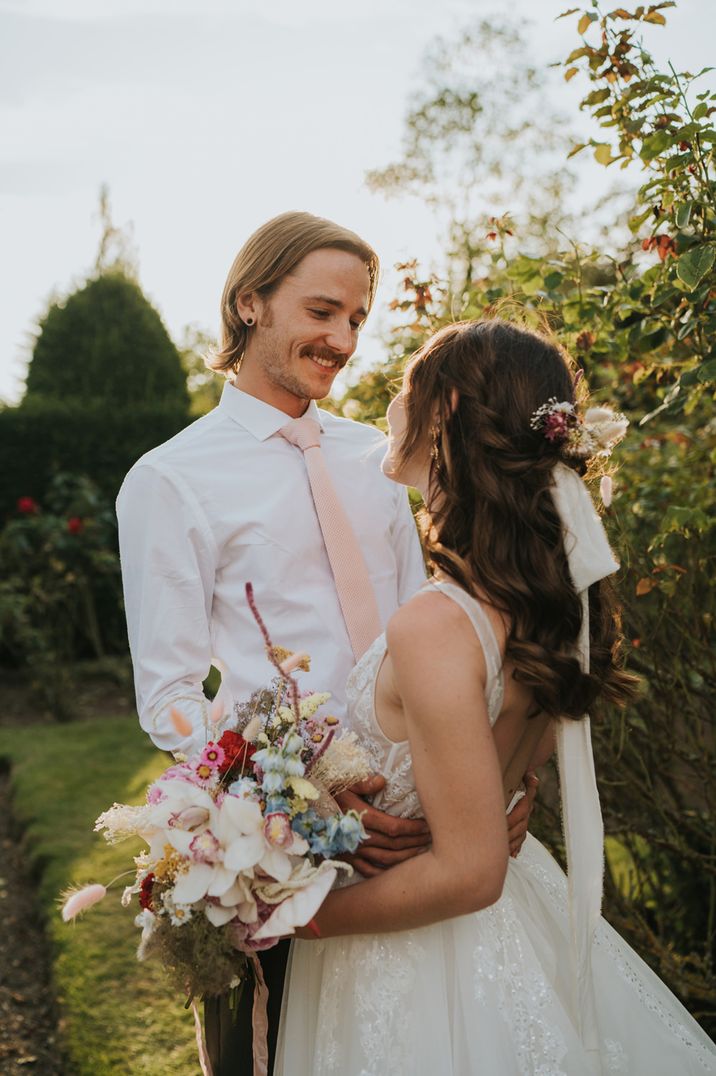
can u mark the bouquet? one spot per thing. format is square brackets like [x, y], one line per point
[240, 837]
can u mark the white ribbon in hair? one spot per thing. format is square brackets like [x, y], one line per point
[590, 559]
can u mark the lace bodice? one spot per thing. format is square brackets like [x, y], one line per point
[393, 759]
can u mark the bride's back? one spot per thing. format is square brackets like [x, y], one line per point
[523, 737]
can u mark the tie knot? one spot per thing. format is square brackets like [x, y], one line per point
[303, 432]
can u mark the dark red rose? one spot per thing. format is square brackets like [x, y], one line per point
[27, 506]
[237, 751]
[75, 525]
[145, 892]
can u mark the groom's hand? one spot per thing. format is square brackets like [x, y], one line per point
[518, 819]
[390, 840]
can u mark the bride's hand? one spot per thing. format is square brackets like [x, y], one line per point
[390, 840]
[518, 819]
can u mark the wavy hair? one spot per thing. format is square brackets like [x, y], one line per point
[270, 254]
[494, 526]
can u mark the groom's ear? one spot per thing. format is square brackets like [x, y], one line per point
[454, 401]
[247, 305]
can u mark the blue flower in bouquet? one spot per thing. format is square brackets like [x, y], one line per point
[332, 836]
[277, 804]
[350, 831]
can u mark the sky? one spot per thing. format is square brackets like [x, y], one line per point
[207, 117]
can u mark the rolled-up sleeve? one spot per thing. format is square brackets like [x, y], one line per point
[168, 556]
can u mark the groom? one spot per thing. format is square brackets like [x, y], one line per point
[232, 499]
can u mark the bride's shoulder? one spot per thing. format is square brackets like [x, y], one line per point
[432, 620]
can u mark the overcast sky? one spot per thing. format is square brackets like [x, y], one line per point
[207, 117]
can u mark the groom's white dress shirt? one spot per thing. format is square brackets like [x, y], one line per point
[226, 502]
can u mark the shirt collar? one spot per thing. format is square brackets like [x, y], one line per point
[260, 419]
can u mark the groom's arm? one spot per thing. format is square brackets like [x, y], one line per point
[168, 559]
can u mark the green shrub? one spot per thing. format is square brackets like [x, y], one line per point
[106, 342]
[100, 440]
[60, 593]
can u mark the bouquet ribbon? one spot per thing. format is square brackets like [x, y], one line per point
[259, 1027]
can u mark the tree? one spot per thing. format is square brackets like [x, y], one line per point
[105, 342]
[482, 140]
[204, 384]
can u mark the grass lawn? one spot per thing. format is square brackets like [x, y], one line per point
[119, 1016]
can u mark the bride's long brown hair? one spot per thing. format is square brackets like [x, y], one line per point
[493, 523]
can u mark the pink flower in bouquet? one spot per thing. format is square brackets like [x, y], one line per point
[213, 755]
[277, 830]
[205, 848]
[205, 774]
[189, 818]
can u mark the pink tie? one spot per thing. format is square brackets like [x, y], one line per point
[353, 584]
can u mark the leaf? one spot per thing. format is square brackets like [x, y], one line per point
[603, 154]
[700, 111]
[564, 14]
[575, 54]
[707, 371]
[694, 265]
[570, 73]
[596, 97]
[686, 521]
[654, 144]
[576, 149]
[655, 16]
[585, 22]
[683, 214]
[644, 586]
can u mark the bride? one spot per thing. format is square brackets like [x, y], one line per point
[462, 960]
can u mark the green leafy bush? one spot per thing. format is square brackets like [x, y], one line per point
[60, 592]
[100, 440]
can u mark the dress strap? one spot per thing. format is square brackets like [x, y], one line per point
[488, 640]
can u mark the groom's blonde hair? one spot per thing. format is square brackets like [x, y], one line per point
[270, 254]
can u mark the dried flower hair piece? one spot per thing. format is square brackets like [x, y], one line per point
[579, 438]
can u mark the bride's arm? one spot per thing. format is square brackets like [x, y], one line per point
[439, 672]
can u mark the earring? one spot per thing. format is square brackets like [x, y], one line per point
[249, 321]
[435, 439]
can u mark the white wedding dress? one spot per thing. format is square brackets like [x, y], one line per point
[489, 993]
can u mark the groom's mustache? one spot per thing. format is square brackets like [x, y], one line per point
[309, 350]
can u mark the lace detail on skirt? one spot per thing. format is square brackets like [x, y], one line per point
[327, 1024]
[386, 975]
[615, 1056]
[522, 995]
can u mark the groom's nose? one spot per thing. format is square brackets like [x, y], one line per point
[341, 338]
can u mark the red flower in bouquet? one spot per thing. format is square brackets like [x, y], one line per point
[28, 506]
[75, 525]
[236, 750]
[145, 892]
